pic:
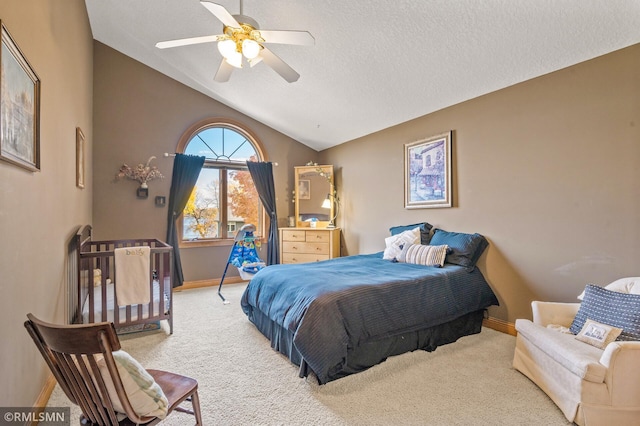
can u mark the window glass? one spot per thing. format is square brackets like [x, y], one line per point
[224, 197]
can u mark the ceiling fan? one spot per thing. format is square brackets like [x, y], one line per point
[241, 40]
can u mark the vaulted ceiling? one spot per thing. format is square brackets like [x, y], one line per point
[375, 63]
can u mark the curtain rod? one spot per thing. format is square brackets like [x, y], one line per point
[166, 154]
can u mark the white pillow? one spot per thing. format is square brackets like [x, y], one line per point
[395, 243]
[145, 395]
[629, 285]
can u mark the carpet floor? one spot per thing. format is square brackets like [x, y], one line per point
[242, 381]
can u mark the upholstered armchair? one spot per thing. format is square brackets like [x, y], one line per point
[591, 386]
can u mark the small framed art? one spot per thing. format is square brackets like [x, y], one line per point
[304, 189]
[80, 142]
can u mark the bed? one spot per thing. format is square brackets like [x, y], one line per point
[93, 279]
[342, 316]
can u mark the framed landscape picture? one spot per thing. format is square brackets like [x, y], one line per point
[19, 107]
[427, 172]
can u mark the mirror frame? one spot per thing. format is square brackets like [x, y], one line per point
[302, 170]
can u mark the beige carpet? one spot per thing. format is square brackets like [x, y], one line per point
[242, 381]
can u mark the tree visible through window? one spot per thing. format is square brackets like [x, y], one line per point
[224, 198]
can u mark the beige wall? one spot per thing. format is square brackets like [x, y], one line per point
[40, 211]
[547, 170]
[139, 113]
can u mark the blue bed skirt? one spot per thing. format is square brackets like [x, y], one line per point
[370, 353]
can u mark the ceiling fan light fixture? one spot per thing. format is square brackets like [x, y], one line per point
[242, 38]
[235, 59]
[227, 48]
[250, 48]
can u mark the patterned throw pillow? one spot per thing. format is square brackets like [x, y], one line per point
[423, 255]
[597, 334]
[611, 308]
[623, 285]
[395, 243]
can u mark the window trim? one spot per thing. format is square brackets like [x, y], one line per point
[182, 144]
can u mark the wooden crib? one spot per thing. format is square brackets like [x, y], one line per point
[93, 279]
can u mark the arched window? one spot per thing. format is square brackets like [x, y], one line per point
[224, 198]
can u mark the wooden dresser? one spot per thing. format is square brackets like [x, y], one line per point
[302, 245]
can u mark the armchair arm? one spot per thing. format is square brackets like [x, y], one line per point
[545, 313]
[622, 359]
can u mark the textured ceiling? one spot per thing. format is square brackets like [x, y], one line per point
[375, 63]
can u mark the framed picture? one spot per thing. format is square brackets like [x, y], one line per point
[19, 107]
[427, 172]
[79, 158]
[304, 189]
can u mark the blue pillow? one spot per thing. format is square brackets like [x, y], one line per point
[425, 231]
[464, 249]
[613, 308]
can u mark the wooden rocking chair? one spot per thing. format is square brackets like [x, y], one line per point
[73, 353]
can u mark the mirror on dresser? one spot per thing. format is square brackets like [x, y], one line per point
[310, 240]
[313, 185]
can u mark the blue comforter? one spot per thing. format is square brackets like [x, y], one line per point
[343, 302]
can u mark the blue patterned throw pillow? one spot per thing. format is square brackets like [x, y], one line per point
[612, 308]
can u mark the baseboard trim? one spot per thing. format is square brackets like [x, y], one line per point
[500, 325]
[188, 285]
[43, 398]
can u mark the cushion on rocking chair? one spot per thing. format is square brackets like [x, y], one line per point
[145, 395]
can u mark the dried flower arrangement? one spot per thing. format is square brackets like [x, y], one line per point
[143, 173]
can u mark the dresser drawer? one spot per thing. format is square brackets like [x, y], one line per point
[302, 247]
[293, 235]
[317, 236]
[303, 257]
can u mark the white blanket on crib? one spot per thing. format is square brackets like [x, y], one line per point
[132, 275]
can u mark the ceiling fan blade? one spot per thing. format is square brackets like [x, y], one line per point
[221, 13]
[224, 72]
[187, 41]
[255, 61]
[279, 66]
[303, 38]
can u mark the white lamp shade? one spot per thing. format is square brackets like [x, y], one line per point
[227, 48]
[250, 48]
[235, 60]
[326, 204]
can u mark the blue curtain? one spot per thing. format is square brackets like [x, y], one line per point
[262, 175]
[186, 169]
